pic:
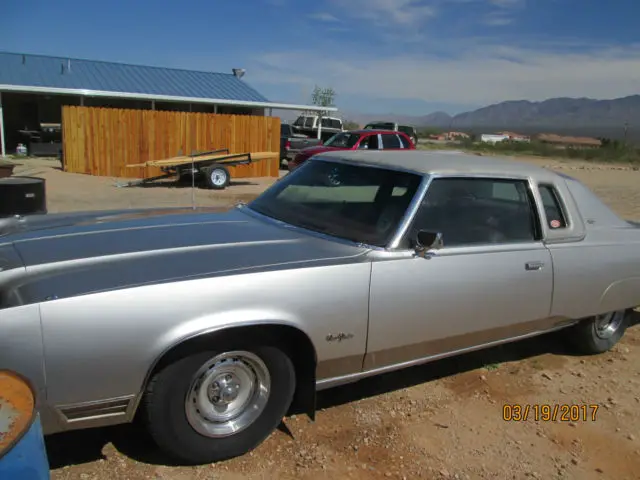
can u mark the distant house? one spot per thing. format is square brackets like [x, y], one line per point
[493, 138]
[450, 136]
[515, 137]
[575, 142]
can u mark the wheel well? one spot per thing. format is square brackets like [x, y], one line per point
[295, 343]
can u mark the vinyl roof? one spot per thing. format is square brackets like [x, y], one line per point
[440, 162]
[61, 75]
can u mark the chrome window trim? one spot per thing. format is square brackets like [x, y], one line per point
[413, 207]
[406, 223]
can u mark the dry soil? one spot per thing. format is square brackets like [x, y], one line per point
[442, 420]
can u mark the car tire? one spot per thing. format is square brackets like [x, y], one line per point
[181, 394]
[217, 177]
[600, 333]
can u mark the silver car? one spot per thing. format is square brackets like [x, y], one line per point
[211, 326]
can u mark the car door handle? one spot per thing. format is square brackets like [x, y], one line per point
[534, 265]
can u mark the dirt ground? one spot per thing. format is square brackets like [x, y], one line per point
[444, 420]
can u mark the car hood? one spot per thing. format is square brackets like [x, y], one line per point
[73, 254]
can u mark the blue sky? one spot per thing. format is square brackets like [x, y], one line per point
[381, 56]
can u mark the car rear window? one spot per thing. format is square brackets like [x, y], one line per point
[285, 129]
[381, 126]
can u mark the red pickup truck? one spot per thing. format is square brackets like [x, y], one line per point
[356, 140]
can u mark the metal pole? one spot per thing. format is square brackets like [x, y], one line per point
[193, 182]
[153, 104]
[3, 151]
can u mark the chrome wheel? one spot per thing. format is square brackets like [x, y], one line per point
[227, 394]
[606, 325]
[218, 177]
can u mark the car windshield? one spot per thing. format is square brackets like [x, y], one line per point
[358, 203]
[343, 140]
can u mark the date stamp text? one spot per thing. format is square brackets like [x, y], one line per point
[553, 412]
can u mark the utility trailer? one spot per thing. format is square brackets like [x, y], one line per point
[211, 165]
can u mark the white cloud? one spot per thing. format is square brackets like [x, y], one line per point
[483, 73]
[387, 13]
[497, 19]
[507, 3]
[324, 17]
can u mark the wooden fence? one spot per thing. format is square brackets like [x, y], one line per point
[102, 141]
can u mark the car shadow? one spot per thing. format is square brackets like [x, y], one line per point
[133, 441]
[187, 184]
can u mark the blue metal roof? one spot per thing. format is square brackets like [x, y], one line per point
[26, 70]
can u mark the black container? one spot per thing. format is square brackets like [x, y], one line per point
[22, 196]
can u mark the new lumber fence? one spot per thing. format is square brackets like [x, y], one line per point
[102, 141]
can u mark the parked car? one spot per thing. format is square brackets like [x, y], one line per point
[291, 142]
[212, 326]
[308, 125]
[407, 129]
[356, 140]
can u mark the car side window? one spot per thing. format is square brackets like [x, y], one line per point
[371, 142]
[478, 211]
[404, 141]
[364, 143]
[552, 207]
[390, 141]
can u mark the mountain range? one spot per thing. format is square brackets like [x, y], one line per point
[583, 116]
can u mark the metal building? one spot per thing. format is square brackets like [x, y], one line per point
[33, 89]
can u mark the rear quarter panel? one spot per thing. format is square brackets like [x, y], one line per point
[598, 270]
[597, 275]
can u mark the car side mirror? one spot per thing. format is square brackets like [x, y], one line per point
[427, 240]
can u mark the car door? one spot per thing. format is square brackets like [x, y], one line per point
[368, 142]
[491, 281]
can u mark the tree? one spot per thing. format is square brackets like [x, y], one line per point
[323, 97]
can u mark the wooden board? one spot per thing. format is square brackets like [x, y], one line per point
[221, 158]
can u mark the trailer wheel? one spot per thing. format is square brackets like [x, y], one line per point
[217, 177]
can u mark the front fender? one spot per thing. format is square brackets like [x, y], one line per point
[101, 347]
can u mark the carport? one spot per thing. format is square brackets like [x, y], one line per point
[33, 89]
